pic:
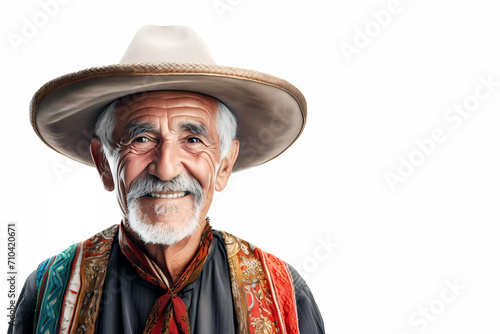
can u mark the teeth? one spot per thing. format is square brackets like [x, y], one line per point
[171, 195]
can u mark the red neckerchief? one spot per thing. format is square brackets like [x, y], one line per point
[169, 313]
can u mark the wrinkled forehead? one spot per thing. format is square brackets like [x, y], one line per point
[183, 107]
[168, 100]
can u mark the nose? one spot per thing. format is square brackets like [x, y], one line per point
[166, 162]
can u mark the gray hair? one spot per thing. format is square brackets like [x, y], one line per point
[226, 123]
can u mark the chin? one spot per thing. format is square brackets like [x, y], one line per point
[165, 229]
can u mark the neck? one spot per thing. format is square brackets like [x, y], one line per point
[172, 259]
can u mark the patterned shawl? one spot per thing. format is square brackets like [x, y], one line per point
[70, 286]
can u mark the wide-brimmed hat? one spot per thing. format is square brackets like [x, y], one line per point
[271, 113]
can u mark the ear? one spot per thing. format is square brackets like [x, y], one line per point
[226, 166]
[101, 164]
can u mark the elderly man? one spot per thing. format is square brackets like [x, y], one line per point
[165, 128]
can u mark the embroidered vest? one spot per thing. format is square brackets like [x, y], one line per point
[69, 287]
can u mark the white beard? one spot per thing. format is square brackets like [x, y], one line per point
[161, 233]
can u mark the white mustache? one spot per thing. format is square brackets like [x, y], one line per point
[183, 182]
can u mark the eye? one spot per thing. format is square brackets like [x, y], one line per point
[142, 144]
[140, 140]
[193, 140]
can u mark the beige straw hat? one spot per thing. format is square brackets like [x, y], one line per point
[271, 112]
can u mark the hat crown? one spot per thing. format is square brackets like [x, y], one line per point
[169, 44]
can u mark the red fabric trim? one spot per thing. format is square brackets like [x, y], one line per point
[282, 283]
[273, 305]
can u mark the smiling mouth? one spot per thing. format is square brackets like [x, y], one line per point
[169, 195]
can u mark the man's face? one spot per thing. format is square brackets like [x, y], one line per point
[164, 136]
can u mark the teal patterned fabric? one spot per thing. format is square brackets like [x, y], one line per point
[52, 279]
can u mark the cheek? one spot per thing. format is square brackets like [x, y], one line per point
[130, 167]
[203, 167]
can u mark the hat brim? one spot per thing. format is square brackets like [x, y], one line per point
[271, 112]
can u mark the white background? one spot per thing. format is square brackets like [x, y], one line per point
[395, 249]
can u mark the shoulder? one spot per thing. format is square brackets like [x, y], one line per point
[284, 276]
[25, 308]
[67, 258]
[310, 320]
[51, 273]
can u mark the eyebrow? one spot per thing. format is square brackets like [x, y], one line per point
[135, 129]
[198, 129]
